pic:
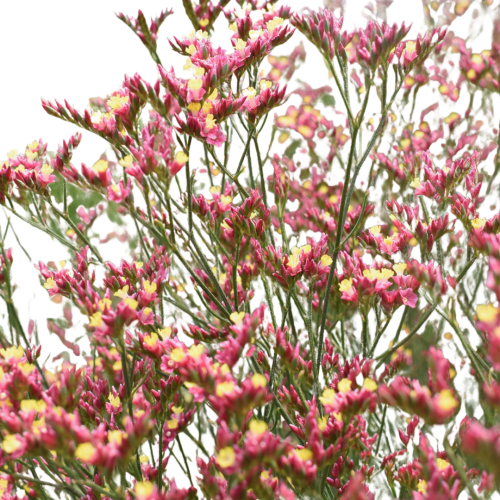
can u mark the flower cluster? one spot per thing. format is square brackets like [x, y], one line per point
[306, 300]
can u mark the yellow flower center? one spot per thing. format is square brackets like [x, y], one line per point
[274, 23]
[304, 454]
[195, 351]
[486, 313]
[442, 463]
[446, 401]
[326, 260]
[122, 293]
[181, 157]
[151, 340]
[226, 457]
[240, 44]
[328, 397]
[257, 427]
[114, 400]
[116, 437]
[259, 380]
[344, 385]
[165, 333]
[195, 84]
[85, 452]
[143, 489]
[177, 354]
[96, 319]
[149, 287]
[10, 443]
[132, 303]
[126, 161]
[399, 268]
[370, 384]
[100, 166]
[237, 318]
[345, 285]
[224, 388]
[210, 122]
[116, 102]
[46, 170]
[49, 284]
[478, 223]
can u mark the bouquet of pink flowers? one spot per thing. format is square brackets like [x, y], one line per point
[310, 307]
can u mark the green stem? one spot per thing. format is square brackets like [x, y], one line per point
[189, 186]
[242, 159]
[423, 319]
[44, 229]
[244, 193]
[261, 170]
[381, 429]
[200, 283]
[364, 334]
[77, 231]
[339, 86]
[185, 459]
[128, 390]
[458, 467]
[235, 277]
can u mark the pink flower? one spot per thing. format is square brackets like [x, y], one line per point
[118, 192]
[408, 297]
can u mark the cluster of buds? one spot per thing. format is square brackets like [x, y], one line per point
[250, 219]
[258, 105]
[435, 403]
[390, 244]
[307, 121]
[358, 284]
[204, 13]
[323, 30]
[29, 171]
[420, 139]
[285, 66]
[102, 124]
[440, 184]
[406, 219]
[481, 443]
[156, 154]
[378, 44]
[147, 34]
[481, 69]
[412, 53]
[310, 261]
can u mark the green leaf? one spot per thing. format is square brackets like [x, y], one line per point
[328, 100]
[290, 150]
[113, 214]
[88, 199]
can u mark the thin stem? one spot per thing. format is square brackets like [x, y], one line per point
[235, 277]
[381, 428]
[247, 145]
[185, 460]
[77, 230]
[458, 467]
[339, 86]
[364, 334]
[200, 283]
[189, 186]
[244, 193]
[261, 170]
[313, 347]
[423, 319]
